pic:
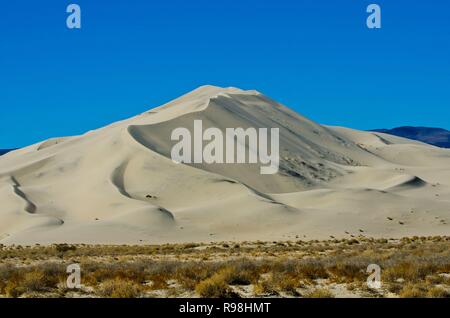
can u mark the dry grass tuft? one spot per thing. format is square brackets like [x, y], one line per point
[319, 293]
[437, 292]
[411, 290]
[117, 288]
[214, 287]
[265, 287]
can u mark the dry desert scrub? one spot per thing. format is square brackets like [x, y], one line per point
[120, 288]
[411, 267]
[320, 293]
[215, 287]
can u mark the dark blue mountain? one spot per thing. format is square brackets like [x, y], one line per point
[434, 136]
[3, 151]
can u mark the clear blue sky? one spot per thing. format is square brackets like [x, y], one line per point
[316, 56]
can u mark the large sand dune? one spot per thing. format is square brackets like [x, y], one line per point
[118, 184]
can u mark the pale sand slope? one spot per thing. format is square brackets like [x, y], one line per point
[118, 184]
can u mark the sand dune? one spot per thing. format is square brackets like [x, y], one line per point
[118, 184]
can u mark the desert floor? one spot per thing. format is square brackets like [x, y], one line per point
[410, 267]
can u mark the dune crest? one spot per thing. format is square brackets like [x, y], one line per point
[118, 184]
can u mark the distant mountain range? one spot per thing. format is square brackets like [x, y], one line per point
[434, 136]
[3, 151]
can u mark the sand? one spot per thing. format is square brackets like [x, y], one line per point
[118, 184]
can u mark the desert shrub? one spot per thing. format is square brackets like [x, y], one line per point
[395, 288]
[134, 274]
[117, 288]
[159, 281]
[312, 270]
[437, 280]
[265, 287]
[62, 248]
[6, 272]
[34, 281]
[232, 276]
[14, 290]
[190, 274]
[348, 271]
[95, 273]
[53, 274]
[214, 287]
[319, 293]
[166, 268]
[411, 290]
[437, 292]
[23, 280]
[286, 283]
[190, 245]
[98, 275]
[410, 271]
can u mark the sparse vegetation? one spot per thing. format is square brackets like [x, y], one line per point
[411, 267]
[320, 293]
[119, 288]
[214, 287]
[265, 288]
[411, 290]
